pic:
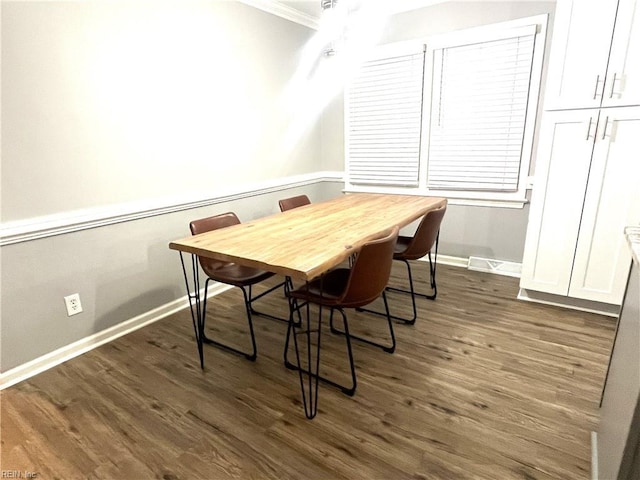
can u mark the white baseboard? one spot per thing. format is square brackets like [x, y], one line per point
[61, 355]
[449, 260]
[500, 267]
[568, 302]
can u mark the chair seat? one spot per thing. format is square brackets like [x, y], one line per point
[333, 284]
[400, 250]
[401, 246]
[234, 274]
[332, 294]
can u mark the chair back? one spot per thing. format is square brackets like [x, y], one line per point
[426, 235]
[293, 202]
[370, 272]
[208, 224]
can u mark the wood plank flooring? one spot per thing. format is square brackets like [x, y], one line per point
[483, 386]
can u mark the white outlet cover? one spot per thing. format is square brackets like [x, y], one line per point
[73, 304]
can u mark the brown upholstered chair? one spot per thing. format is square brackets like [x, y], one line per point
[231, 274]
[293, 202]
[352, 287]
[423, 242]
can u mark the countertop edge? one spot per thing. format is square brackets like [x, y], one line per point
[632, 235]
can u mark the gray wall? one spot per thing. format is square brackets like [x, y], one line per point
[106, 104]
[120, 271]
[112, 105]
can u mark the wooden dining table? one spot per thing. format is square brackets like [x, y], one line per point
[302, 244]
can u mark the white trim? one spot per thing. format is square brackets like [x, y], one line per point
[289, 13]
[606, 309]
[61, 355]
[449, 260]
[487, 265]
[594, 455]
[470, 202]
[283, 11]
[499, 267]
[74, 221]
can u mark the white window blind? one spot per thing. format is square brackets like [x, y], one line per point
[384, 121]
[479, 107]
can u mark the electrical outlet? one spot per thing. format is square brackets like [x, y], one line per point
[73, 304]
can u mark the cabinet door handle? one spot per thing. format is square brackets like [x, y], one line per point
[604, 130]
[589, 128]
[613, 84]
[595, 90]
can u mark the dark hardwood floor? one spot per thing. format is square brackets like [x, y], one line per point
[483, 387]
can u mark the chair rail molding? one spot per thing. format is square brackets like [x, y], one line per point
[73, 221]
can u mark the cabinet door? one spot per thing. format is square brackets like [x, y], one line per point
[612, 202]
[623, 74]
[579, 52]
[561, 172]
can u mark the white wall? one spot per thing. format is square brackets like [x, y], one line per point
[113, 102]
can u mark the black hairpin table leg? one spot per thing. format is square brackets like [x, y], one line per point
[310, 376]
[195, 303]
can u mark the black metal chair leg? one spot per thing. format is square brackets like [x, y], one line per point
[348, 390]
[432, 276]
[411, 291]
[284, 284]
[250, 356]
[354, 383]
[387, 348]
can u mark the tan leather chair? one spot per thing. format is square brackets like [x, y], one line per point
[293, 202]
[421, 244]
[231, 274]
[353, 287]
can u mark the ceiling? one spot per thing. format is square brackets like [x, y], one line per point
[307, 12]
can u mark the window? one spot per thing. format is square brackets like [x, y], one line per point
[385, 118]
[475, 115]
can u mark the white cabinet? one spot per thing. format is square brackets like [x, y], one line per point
[623, 72]
[587, 168]
[585, 193]
[594, 55]
[562, 170]
[612, 201]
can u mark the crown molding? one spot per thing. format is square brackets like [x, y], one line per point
[284, 11]
[279, 9]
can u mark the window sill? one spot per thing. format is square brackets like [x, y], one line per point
[469, 202]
